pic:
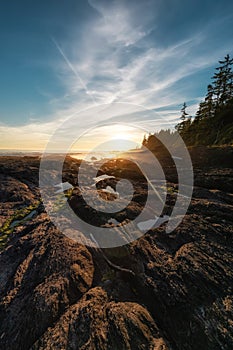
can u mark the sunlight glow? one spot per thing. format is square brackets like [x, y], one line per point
[115, 137]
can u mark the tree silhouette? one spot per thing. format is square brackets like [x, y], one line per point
[183, 111]
[213, 121]
[223, 82]
[184, 121]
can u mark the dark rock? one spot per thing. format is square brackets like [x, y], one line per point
[159, 292]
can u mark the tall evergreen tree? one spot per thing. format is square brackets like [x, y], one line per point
[183, 111]
[209, 103]
[223, 82]
[216, 106]
[181, 126]
[206, 108]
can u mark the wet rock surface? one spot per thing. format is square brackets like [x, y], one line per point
[159, 292]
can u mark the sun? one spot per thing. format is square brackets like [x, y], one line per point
[121, 132]
[122, 136]
[114, 137]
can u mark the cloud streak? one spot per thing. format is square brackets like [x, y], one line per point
[113, 59]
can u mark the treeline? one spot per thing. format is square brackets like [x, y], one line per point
[213, 122]
[158, 139]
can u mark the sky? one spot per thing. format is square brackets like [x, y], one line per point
[77, 67]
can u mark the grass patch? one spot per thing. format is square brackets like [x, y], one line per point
[60, 202]
[20, 216]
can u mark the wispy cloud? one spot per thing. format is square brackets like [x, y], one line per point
[114, 59]
[116, 66]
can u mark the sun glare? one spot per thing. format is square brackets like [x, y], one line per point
[115, 137]
[122, 136]
[120, 132]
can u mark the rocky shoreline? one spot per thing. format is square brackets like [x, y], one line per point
[159, 292]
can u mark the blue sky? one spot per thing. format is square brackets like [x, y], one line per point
[59, 57]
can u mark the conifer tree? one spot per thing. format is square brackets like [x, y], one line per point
[183, 111]
[222, 82]
[180, 127]
[144, 142]
[216, 106]
[209, 103]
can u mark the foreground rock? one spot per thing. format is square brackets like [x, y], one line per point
[160, 292]
[95, 322]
